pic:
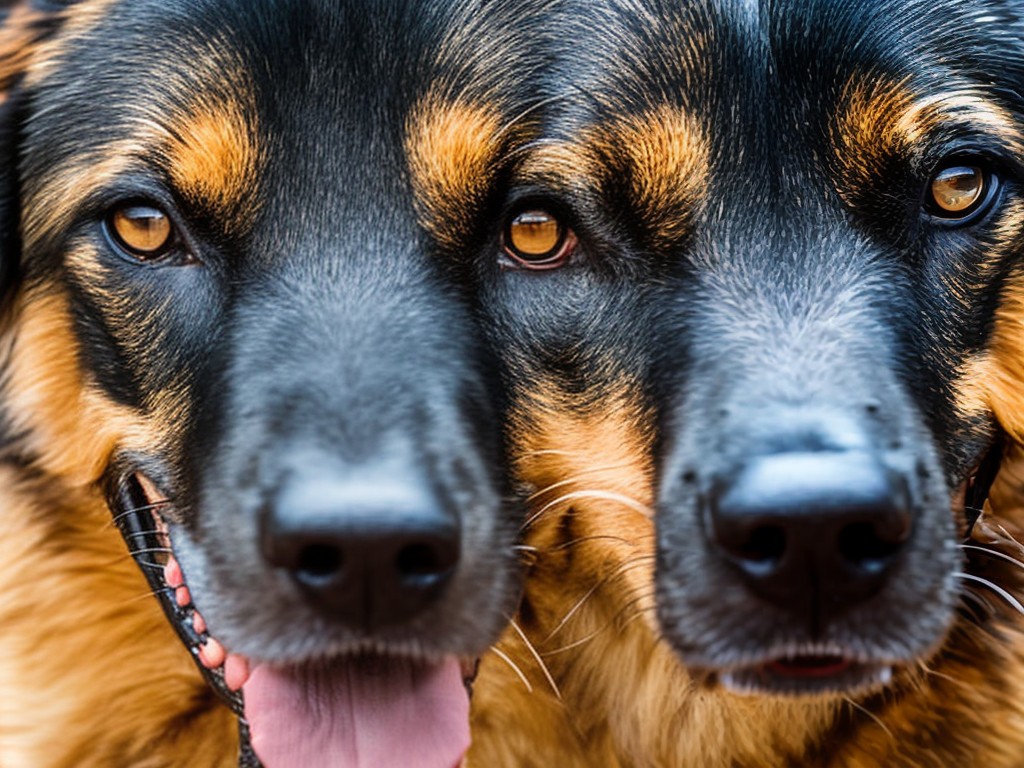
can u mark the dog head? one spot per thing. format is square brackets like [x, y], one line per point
[786, 326]
[239, 266]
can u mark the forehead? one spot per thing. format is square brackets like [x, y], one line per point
[778, 89]
[213, 96]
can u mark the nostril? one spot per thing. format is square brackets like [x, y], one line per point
[863, 545]
[765, 546]
[420, 560]
[320, 562]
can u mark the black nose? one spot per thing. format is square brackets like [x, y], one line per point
[812, 532]
[366, 555]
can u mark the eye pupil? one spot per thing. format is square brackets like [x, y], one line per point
[535, 235]
[956, 189]
[142, 230]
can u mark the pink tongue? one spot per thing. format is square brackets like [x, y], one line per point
[359, 713]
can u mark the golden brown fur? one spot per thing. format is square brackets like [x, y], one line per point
[70, 577]
[605, 691]
[583, 678]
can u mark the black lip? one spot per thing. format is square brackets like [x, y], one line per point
[979, 482]
[141, 527]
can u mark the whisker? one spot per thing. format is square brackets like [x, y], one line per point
[552, 452]
[993, 553]
[994, 587]
[148, 596]
[600, 537]
[154, 566]
[150, 551]
[626, 501]
[135, 510]
[981, 602]
[623, 568]
[615, 620]
[540, 662]
[870, 714]
[1010, 536]
[516, 119]
[501, 655]
[578, 476]
[942, 676]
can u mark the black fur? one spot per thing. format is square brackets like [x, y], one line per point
[801, 307]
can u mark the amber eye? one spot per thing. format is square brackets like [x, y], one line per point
[956, 192]
[535, 239]
[142, 230]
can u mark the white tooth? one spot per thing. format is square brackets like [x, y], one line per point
[885, 675]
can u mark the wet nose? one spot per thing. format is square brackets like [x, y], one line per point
[366, 555]
[815, 531]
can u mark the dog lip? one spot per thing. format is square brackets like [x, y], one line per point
[810, 666]
[808, 676]
[142, 514]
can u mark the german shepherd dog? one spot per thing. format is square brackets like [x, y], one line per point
[760, 392]
[240, 263]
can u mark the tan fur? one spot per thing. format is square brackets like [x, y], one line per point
[451, 148]
[118, 690]
[138, 701]
[666, 157]
[70, 426]
[18, 38]
[214, 156]
[882, 120]
[994, 381]
[618, 692]
[618, 698]
[603, 690]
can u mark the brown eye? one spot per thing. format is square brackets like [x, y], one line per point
[142, 230]
[535, 239]
[958, 191]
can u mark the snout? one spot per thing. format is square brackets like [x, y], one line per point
[810, 552]
[811, 532]
[366, 553]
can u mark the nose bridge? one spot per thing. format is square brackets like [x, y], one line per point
[797, 317]
[324, 345]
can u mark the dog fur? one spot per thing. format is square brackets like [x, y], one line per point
[368, 161]
[746, 183]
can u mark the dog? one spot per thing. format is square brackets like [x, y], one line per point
[767, 392]
[241, 258]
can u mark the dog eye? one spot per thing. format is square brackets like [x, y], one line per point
[960, 193]
[536, 239]
[144, 231]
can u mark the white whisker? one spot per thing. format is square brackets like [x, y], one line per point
[994, 587]
[501, 655]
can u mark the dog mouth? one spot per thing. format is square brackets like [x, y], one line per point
[814, 671]
[831, 669]
[375, 706]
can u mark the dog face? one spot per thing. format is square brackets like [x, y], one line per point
[785, 328]
[242, 299]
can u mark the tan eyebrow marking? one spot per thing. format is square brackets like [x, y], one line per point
[880, 120]
[214, 156]
[666, 155]
[452, 150]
